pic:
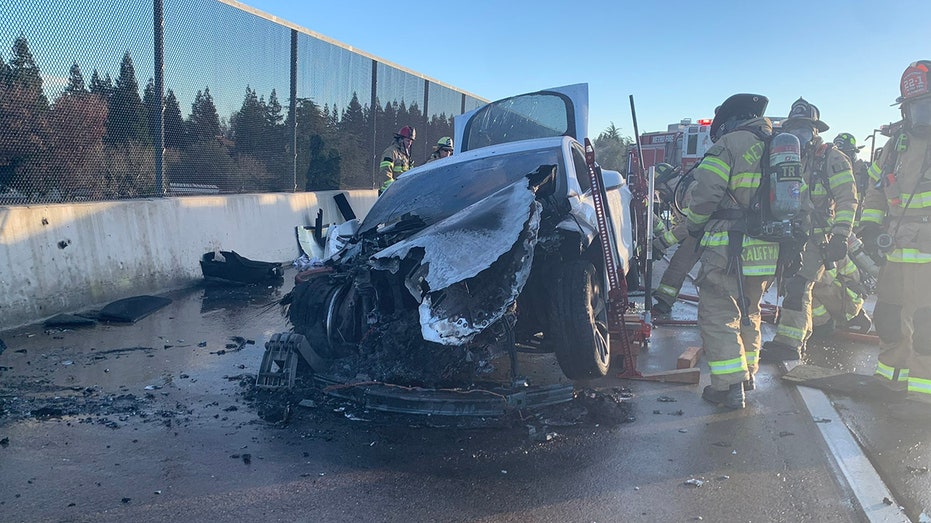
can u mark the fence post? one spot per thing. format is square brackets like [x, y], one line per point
[159, 30]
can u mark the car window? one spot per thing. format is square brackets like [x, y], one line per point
[581, 168]
[433, 194]
[537, 115]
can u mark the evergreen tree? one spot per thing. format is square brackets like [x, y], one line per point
[127, 121]
[75, 81]
[204, 121]
[174, 122]
[152, 108]
[273, 110]
[24, 128]
[102, 88]
[248, 125]
[25, 73]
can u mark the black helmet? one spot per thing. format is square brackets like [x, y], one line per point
[736, 110]
[847, 143]
[802, 111]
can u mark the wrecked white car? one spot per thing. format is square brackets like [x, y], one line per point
[493, 250]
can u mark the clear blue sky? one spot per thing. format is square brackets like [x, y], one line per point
[679, 59]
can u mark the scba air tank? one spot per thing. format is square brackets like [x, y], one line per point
[785, 177]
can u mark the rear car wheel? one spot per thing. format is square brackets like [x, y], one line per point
[580, 326]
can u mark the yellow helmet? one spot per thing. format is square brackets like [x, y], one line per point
[444, 143]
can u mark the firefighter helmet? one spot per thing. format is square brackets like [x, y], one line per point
[914, 83]
[847, 143]
[802, 111]
[736, 110]
[407, 132]
[444, 144]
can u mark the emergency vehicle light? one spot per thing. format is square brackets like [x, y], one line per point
[704, 121]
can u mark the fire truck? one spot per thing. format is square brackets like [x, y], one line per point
[682, 144]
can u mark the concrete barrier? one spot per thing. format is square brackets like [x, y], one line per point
[57, 258]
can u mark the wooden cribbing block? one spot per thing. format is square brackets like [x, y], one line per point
[689, 358]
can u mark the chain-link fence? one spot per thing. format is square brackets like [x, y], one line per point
[248, 104]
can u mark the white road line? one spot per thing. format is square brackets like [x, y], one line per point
[859, 473]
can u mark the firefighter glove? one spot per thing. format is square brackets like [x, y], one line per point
[836, 249]
[696, 233]
[868, 235]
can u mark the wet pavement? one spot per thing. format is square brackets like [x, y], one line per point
[159, 420]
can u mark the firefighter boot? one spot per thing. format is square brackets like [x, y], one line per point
[732, 398]
[660, 306]
[775, 351]
[823, 331]
[861, 323]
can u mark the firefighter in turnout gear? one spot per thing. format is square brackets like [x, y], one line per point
[837, 301]
[397, 157]
[735, 268]
[830, 195]
[687, 254]
[442, 149]
[896, 222]
[847, 144]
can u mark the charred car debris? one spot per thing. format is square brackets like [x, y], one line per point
[463, 262]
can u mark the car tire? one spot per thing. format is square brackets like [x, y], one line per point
[580, 325]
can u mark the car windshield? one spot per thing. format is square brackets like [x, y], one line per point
[525, 117]
[435, 194]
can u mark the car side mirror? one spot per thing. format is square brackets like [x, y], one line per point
[611, 179]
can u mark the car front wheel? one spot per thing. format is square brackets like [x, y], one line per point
[580, 327]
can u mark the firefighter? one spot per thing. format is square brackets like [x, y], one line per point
[397, 157]
[442, 149]
[896, 221]
[847, 144]
[837, 301]
[837, 297]
[687, 255]
[830, 193]
[735, 269]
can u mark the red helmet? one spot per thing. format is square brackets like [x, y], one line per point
[914, 83]
[407, 132]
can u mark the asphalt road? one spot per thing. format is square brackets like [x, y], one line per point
[158, 420]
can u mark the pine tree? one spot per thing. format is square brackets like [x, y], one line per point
[204, 121]
[174, 122]
[248, 125]
[25, 73]
[24, 131]
[152, 108]
[75, 81]
[102, 88]
[127, 121]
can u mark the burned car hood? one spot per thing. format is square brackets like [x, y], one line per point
[471, 266]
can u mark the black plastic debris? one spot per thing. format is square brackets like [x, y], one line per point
[228, 267]
[70, 321]
[131, 310]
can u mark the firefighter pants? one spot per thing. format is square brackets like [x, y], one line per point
[794, 325]
[731, 348]
[685, 257]
[903, 322]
